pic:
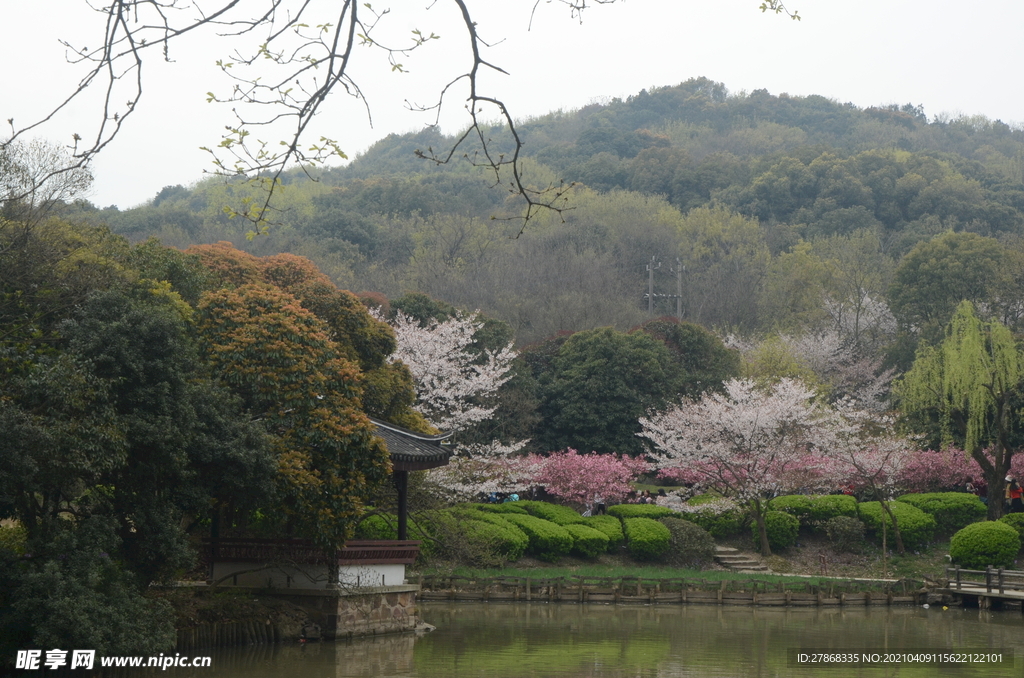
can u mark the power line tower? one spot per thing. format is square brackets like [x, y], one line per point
[678, 296]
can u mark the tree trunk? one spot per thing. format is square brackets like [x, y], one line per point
[762, 531]
[995, 472]
[895, 526]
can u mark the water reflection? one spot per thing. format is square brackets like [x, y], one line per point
[604, 641]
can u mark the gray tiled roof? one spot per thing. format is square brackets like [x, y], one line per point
[412, 451]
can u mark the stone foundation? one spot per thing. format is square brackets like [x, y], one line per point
[348, 613]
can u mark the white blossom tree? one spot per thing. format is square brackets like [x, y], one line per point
[457, 388]
[747, 444]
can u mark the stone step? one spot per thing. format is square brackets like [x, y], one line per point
[726, 549]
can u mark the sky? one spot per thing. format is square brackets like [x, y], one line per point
[950, 57]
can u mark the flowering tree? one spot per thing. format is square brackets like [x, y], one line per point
[745, 444]
[483, 469]
[454, 387]
[579, 478]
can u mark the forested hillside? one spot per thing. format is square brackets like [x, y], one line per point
[785, 214]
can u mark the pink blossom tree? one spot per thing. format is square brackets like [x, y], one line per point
[580, 478]
[746, 444]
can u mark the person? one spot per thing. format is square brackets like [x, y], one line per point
[1014, 492]
[599, 505]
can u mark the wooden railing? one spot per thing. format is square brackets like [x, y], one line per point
[992, 579]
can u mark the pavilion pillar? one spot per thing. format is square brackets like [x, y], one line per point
[401, 480]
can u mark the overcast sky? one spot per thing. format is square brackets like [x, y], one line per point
[950, 57]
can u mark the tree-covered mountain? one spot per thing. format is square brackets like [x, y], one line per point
[783, 212]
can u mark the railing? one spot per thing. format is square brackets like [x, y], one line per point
[300, 551]
[997, 579]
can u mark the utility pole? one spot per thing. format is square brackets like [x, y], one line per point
[650, 285]
[679, 287]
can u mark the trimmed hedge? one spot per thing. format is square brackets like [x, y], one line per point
[472, 513]
[587, 542]
[845, 533]
[781, 527]
[690, 545]
[556, 513]
[951, 510]
[611, 526]
[986, 543]
[798, 505]
[916, 526]
[548, 541]
[624, 511]
[385, 526]
[646, 538]
[508, 507]
[468, 536]
[825, 507]
[1016, 521]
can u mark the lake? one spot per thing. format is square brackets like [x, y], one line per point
[539, 640]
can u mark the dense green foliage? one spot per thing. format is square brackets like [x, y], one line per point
[639, 511]
[690, 545]
[547, 541]
[951, 510]
[782, 529]
[556, 513]
[985, 543]
[646, 538]
[612, 527]
[824, 507]
[587, 542]
[797, 505]
[1016, 521]
[916, 527]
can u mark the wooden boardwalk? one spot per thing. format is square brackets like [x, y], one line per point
[990, 587]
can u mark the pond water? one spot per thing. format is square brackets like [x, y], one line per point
[537, 640]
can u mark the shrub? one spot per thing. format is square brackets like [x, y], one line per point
[1016, 521]
[690, 545]
[986, 543]
[916, 526]
[845, 533]
[798, 505]
[611, 526]
[385, 526]
[587, 542]
[13, 539]
[559, 515]
[492, 518]
[720, 517]
[547, 541]
[624, 511]
[825, 507]
[782, 530]
[509, 507]
[951, 510]
[458, 535]
[646, 538]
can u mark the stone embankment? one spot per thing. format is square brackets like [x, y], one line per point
[680, 591]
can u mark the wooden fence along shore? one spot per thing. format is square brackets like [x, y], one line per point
[206, 636]
[649, 591]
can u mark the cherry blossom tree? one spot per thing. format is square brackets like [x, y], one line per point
[746, 443]
[455, 388]
[580, 478]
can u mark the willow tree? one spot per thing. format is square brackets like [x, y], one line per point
[965, 392]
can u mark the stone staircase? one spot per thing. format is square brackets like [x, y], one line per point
[733, 559]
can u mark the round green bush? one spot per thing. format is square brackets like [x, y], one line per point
[782, 530]
[825, 507]
[798, 505]
[476, 537]
[916, 527]
[951, 510]
[690, 545]
[1016, 521]
[624, 511]
[548, 541]
[845, 533]
[587, 542]
[559, 515]
[986, 543]
[646, 538]
[611, 526]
